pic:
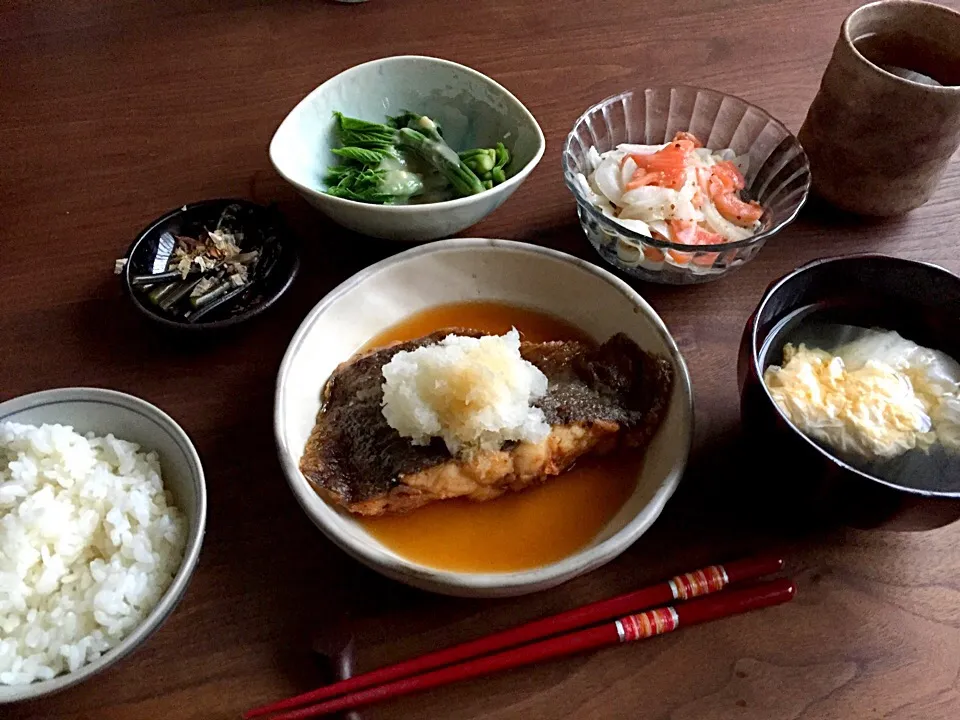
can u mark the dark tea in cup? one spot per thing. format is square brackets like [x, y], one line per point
[910, 57]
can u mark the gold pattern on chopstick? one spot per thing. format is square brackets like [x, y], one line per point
[647, 624]
[700, 582]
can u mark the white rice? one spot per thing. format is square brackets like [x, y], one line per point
[474, 393]
[89, 542]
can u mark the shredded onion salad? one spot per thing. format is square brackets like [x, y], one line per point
[680, 192]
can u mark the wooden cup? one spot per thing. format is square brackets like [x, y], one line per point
[880, 133]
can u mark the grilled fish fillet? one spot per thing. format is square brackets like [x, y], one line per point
[598, 399]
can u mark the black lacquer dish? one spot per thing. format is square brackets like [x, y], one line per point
[210, 265]
[919, 301]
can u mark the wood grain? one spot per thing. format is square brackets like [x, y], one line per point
[113, 111]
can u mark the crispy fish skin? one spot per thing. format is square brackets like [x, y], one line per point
[598, 399]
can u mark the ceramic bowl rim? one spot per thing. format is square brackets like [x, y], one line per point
[608, 224]
[754, 322]
[174, 593]
[289, 242]
[511, 182]
[917, 5]
[452, 582]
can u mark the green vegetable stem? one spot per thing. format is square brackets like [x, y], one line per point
[443, 159]
[407, 157]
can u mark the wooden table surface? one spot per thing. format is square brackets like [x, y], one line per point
[113, 111]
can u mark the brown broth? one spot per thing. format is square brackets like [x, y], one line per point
[520, 530]
[491, 317]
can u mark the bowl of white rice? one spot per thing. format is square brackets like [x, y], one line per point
[102, 514]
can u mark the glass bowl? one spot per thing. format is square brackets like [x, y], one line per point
[778, 176]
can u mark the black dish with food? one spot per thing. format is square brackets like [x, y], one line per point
[806, 479]
[210, 265]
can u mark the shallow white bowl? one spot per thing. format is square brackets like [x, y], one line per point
[129, 418]
[472, 109]
[464, 270]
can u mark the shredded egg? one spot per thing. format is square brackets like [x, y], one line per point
[872, 410]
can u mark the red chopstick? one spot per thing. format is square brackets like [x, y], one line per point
[681, 587]
[627, 629]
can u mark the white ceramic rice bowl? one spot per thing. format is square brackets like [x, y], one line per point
[129, 418]
[472, 109]
[457, 271]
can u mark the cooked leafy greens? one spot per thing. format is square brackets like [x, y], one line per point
[407, 160]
